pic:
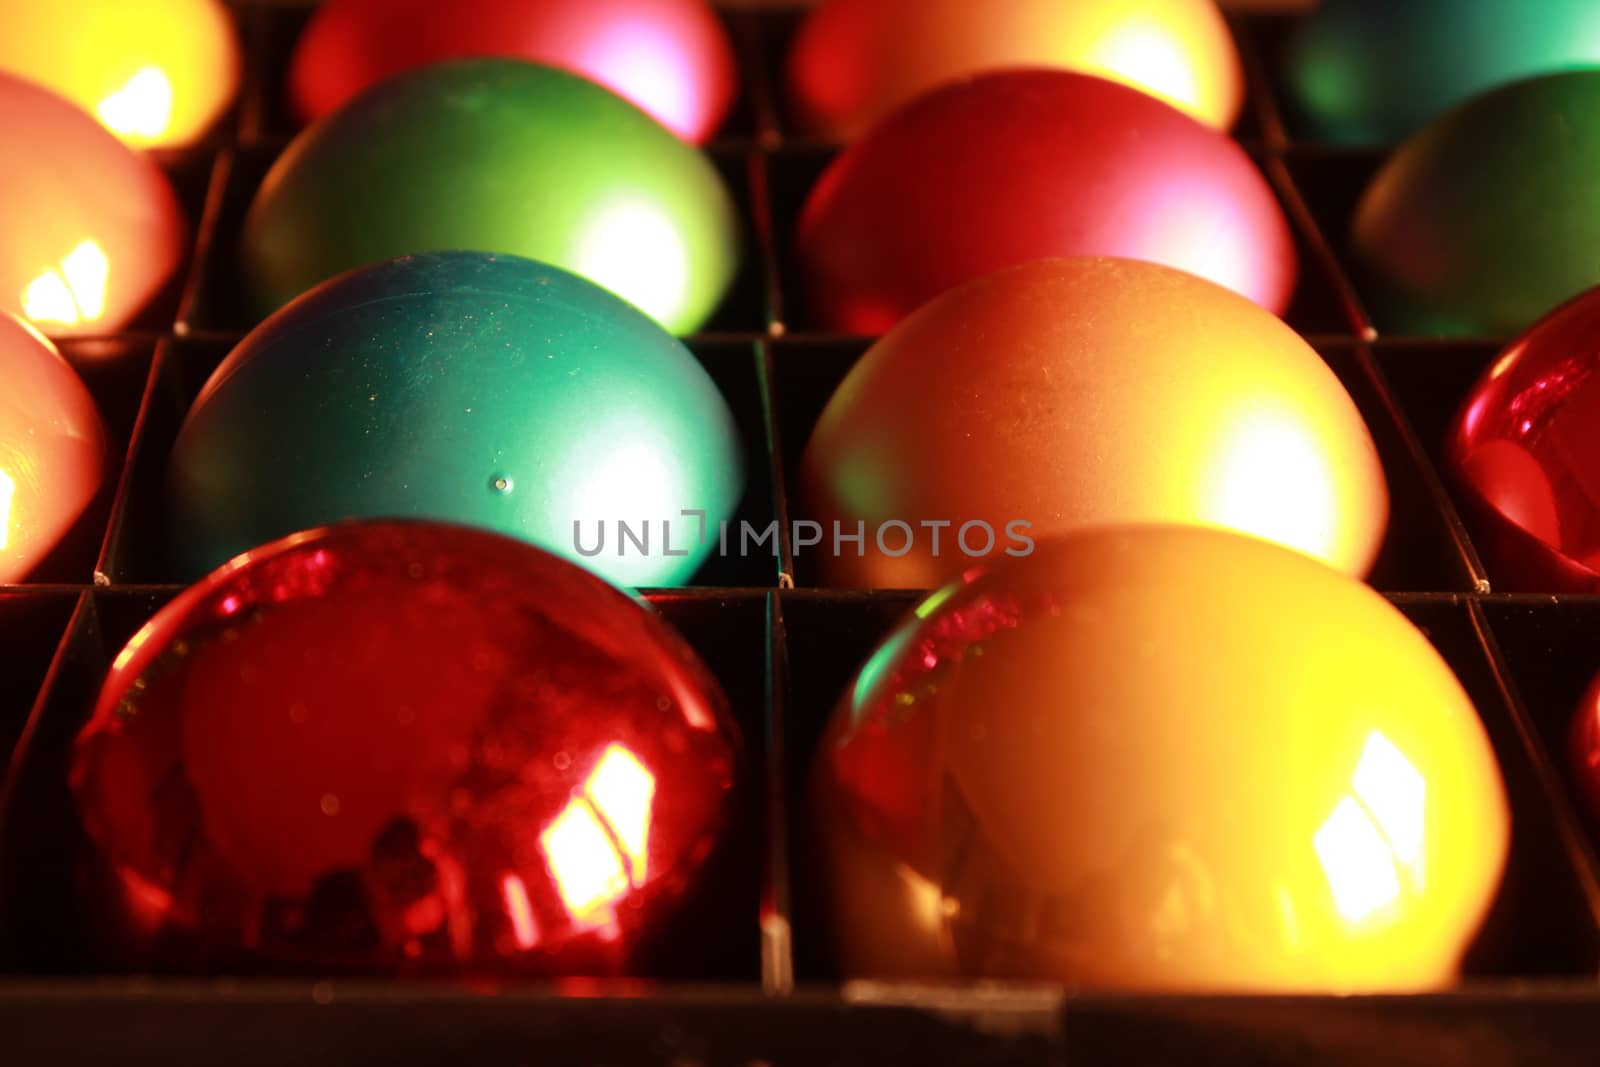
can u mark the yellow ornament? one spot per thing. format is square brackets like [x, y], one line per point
[157, 73]
[1160, 759]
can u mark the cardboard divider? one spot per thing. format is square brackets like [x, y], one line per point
[1552, 652]
[31, 627]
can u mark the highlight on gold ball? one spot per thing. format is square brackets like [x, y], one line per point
[156, 73]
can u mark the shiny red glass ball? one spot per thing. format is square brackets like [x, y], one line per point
[1583, 749]
[1015, 165]
[398, 746]
[1525, 452]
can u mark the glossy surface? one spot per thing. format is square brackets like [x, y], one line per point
[395, 747]
[491, 391]
[1459, 238]
[1013, 166]
[90, 230]
[157, 73]
[1051, 773]
[669, 57]
[854, 63]
[1367, 72]
[1525, 452]
[1073, 393]
[1583, 750]
[422, 162]
[52, 448]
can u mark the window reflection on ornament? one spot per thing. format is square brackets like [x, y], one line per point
[74, 293]
[1374, 832]
[621, 790]
[587, 869]
[524, 927]
[142, 108]
[597, 847]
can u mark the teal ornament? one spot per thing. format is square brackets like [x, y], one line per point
[489, 391]
[1368, 72]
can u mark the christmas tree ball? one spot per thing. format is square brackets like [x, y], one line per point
[1159, 759]
[92, 231]
[156, 73]
[1522, 452]
[1371, 72]
[394, 747]
[497, 155]
[52, 448]
[853, 63]
[671, 57]
[1062, 394]
[486, 390]
[1485, 219]
[1009, 166]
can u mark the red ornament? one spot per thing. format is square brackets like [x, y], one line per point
[406, 746]
[1007, 167]
[1525, 451]
[670, 58]
[1584, 748]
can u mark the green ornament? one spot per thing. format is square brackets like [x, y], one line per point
[1363, 72]
[497, 155]
[489, 391]
[1489, 217]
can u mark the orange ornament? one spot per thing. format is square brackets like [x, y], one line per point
[52, 448]
[1160, 759]
[854, 62]
[1067, 393]
[90, 230]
